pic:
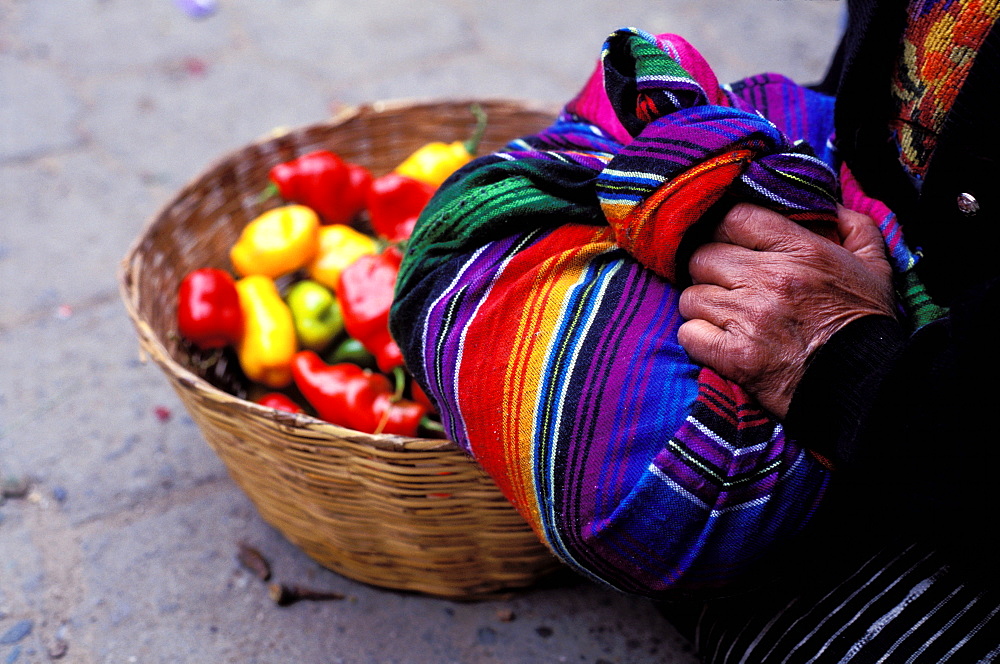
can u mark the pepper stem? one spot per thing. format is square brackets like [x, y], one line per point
[431, 425]
[269, 192]
[382, 422]
[472, 145]
[399, 376]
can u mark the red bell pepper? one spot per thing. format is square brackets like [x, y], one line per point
[365, 291]
[394, 204]
[208, 309]
[336, 189]
[352, 397]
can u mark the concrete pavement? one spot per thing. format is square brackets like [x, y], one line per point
[118, 544]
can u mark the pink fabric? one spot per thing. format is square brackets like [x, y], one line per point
[694, 64]
[593, 106]
[592, 103]
[855, 198]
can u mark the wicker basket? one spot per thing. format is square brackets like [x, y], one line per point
[401, 513]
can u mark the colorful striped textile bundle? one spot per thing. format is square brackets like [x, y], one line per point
[537, 306]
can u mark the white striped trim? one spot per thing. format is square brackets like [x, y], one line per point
[917, 624]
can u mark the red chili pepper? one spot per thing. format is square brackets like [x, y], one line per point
[336, 189]
[421, 397]
[279, 401]
[347, 395]
[395, 202]
[398, 416]
[208, 309]
[365, 291]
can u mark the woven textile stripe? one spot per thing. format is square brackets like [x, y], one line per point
[536, 307]
[899, 605]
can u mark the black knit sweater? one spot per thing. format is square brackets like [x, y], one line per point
[908, 419]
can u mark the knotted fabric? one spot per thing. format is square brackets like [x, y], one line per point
[537, 306]
[690, 144]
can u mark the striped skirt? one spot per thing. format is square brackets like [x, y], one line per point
[902, 604]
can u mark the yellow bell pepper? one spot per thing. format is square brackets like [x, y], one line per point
[269, 343]
[277, 242]
[434, 162]
[339, 246]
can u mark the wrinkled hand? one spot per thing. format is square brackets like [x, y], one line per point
[767, 293]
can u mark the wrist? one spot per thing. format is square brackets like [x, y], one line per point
[839, 384]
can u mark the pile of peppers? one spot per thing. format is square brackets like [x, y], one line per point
[306, 306]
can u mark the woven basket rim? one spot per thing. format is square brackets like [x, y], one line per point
[151, 345]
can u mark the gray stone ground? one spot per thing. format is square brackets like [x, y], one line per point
[123, 548]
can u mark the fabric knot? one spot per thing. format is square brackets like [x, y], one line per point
[647, 78]
[689, 148]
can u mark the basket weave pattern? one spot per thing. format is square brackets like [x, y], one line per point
[401, 513]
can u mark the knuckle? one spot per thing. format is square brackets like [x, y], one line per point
[696, 268]
[699, 259]
[741, 214]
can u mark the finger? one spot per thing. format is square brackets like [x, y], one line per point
[858, 232]
[705, 301]
[720, 264]
[760, 229]
[705, 343]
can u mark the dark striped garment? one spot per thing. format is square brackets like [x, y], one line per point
[901, 604]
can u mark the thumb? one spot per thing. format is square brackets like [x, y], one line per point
[859, 234]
